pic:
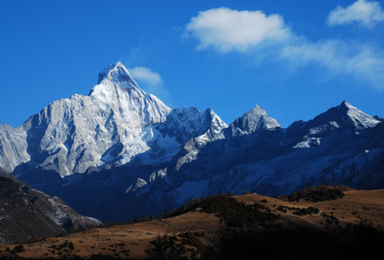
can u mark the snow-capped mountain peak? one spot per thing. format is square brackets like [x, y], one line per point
[358, 117]
[344, 115]
[117, 73]
[118, 90]
[256, 119]
[116, 124]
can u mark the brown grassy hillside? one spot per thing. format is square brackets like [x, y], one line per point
[347, 227]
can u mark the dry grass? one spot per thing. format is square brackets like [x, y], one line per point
[355, 206]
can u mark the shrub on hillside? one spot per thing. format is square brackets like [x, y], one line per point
[317, 193]
[18, 249]
[308, 211]
[236, 214]
[171, 247]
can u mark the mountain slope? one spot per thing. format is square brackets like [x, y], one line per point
[20, 219]
[261, 157]
[28, 214]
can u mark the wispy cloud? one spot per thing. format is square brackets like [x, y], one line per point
[151, 82]
[362, 61]
[225, 30]
[145, 75]
[137, 55]
[362, 12]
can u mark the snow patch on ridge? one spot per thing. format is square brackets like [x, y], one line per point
[359, 118]
[308, 142]
[140, 183]
[150, 146]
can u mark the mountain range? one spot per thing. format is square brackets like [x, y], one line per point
[121, 152]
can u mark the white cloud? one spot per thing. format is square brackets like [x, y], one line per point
[151, 82]
[146, 75]
[363, 62]
[362, 12]
[225, 30]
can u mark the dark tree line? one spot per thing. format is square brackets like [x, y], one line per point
[316, 193]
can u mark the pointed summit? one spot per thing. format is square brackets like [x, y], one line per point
[346, 114]
[358, 117]
[256, 119]
[118, 74]
[345, 106]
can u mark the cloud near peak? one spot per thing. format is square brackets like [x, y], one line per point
[146, 75]
[225, 30]
[151, 82]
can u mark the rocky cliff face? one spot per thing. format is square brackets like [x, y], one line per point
[116, 124]
[120, 152]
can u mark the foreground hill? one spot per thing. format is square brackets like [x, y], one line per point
[20, 219]
[27, 214]
[347, 228]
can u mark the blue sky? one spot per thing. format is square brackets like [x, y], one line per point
[293, 58]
